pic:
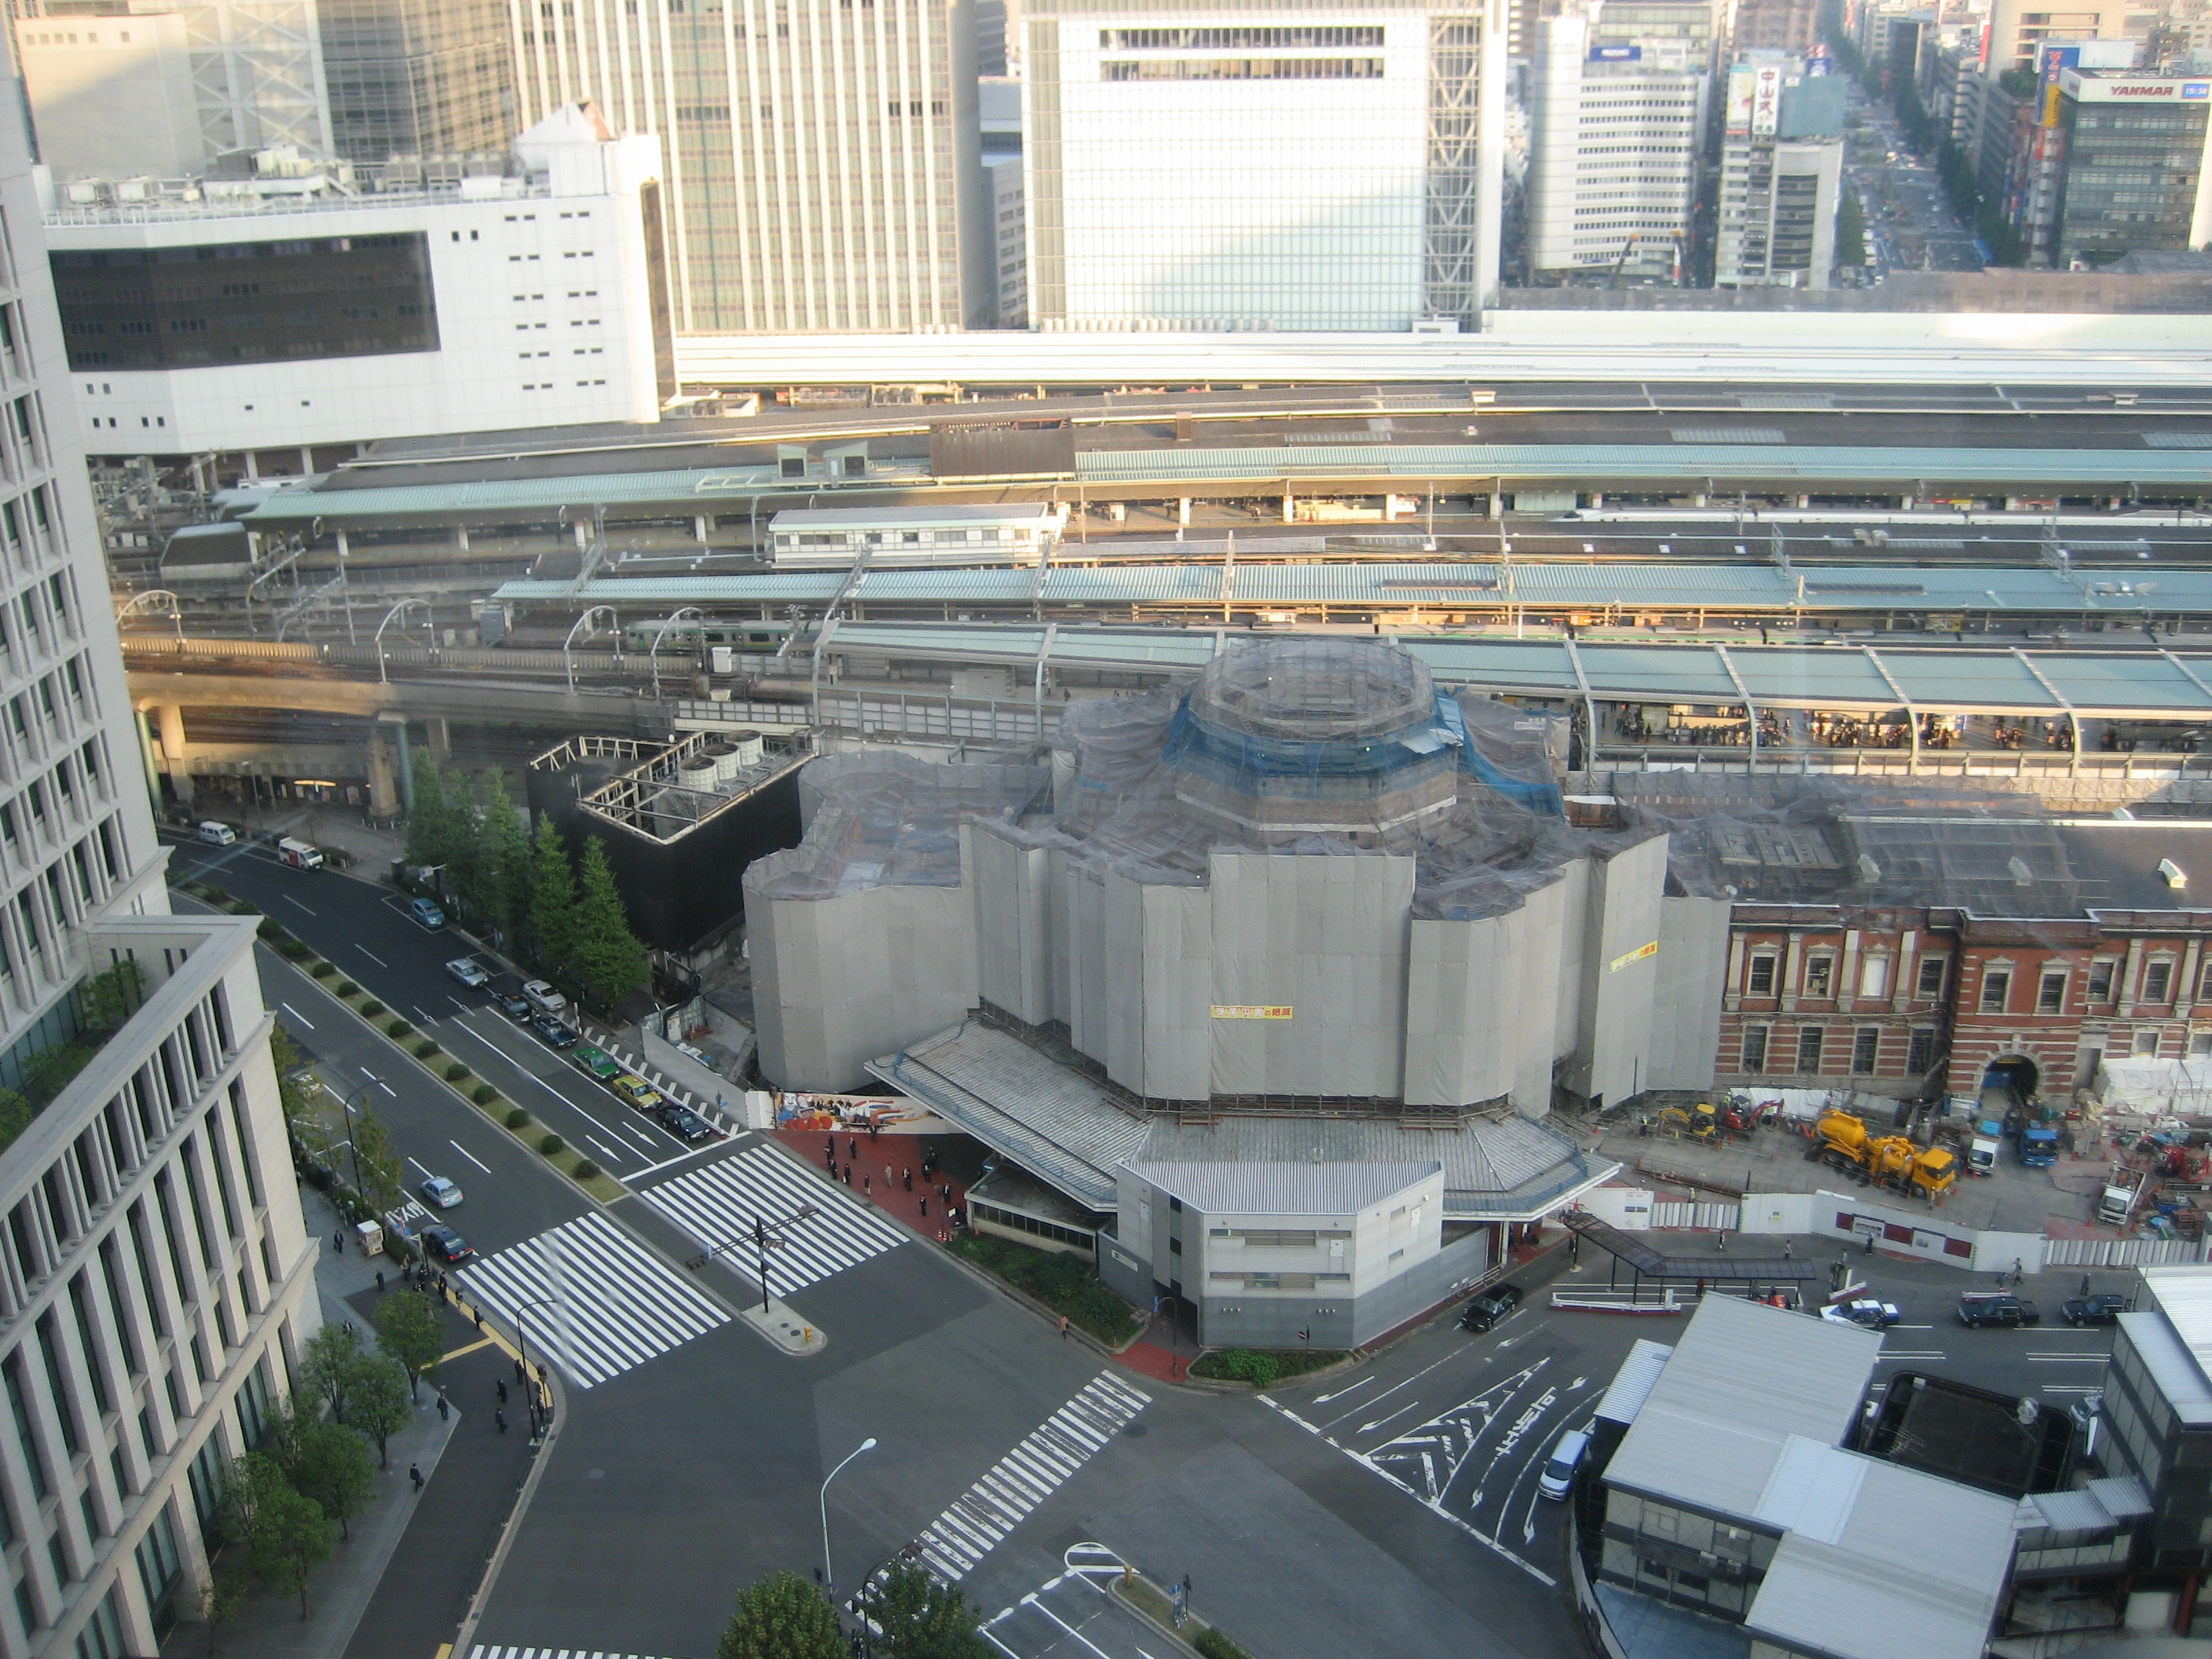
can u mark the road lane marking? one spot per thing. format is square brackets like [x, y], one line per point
[1380, 1421]
[670, 1163]
[717, 1203]
[366, 1073]
[463, 1025]
[1323, 1398]
[480, 1342]
[428, 1172]
[297, 1015]
[604, 1151]
[288, 899]
[470, 1156]
[1393, 1389]
[372, 956]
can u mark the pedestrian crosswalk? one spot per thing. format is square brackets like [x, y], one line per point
[479, 1651]
[602, 1304]
[969, 1530]
[717, 1203]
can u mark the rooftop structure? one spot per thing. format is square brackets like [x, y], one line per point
[2158, 1417]
[1730, 1494]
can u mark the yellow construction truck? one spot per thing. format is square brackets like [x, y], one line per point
[1898, 1162]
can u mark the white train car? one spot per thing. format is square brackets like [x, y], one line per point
[831, 539]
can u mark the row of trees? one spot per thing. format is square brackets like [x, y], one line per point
[570, 923]
[914, 1617]
[382, 1178]
[286, 1503]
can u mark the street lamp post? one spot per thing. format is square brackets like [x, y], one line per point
[353, 1138]
[829, 1572]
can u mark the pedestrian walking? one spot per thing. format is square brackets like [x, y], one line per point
[444, 1412]
[501, 1387]
[1722, 1245]
[867, 1186]
[848, 1175]
[337, 1243]
[500, 1418]
[1785, 1248]
[831, 1151]
[874, 1128]
[925, 1206]
[476, 1314]
[2085, 1283]
[906, 1178]
[518, 1374]
[852, 1147]
[415, 1474]
[379, 1281]
[1063, 1327]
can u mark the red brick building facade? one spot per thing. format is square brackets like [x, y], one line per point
[1912, 1002]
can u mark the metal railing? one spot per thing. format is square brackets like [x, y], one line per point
[249, 206]
[2150, 765]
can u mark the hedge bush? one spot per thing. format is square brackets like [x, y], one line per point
[347, 989]
[425, 1049]
[456, 1073]
[371, 1009]
[292, 950]
[1060, 1281]
[1214, 1645]
[484, 1094]
[398, 1028]
[586, 1169]
[1246, 1366]
[516, 1118]
[272, 929]
[552, 1145]
[323, 969]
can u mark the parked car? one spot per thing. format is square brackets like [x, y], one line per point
[214, 834]
[1863, 1310]
[440, 1193]
[553, 1033]
[427, 912]
[469, 971]
[683, 1122]
[1558, 1475]
[447, 1246]
[2102, 1309]
[1998, 1308]
[515, 1007]
[544, 997]
[1486, 1309]
[593, 1062]
[636, 1090]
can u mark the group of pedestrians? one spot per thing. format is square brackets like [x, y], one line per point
[900, 1178]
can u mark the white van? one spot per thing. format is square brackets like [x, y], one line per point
[216, 834]
[1558, 1475]
[300, 855]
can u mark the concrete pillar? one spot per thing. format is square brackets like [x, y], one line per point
[1905, 503]
[1290, 507]
[253, 464]
[461, 537]
[1597, 498]
[1804, 503]
[406, 766]
[383, 789]
[1182, 510]
[307, 460]
[345, 547]
[442, 739]
[171, 722]
[583, 536]
[701, 523]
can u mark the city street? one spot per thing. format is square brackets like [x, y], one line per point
[1910, 222]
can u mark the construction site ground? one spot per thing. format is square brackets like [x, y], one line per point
[2016, 1199]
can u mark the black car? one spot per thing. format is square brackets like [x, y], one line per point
[446, 1245]
[683, 1122]
[1997, 1309]
[1493, 1304]
[2094, 1310]
[553, 1033]
[516, 1008]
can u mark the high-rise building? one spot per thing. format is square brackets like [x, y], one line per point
[155, 1271]
[2015, 27]
[2133, 172]
[1791, 25]
[1614, 144]
[418, 77]
[821, 163]
[1250, 167]
[1782, 158]
[78, 72]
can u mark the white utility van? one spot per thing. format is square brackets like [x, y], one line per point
[216, 834]
[300, 855]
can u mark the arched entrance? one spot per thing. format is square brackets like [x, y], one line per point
[2017, 1070]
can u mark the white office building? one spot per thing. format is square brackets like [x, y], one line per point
[154, 1273]
[1782, 160]
[820, 163]
[1614, 141]
[532, 299]
[1240, 166]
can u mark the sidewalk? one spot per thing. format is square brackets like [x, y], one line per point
[322, 823]
[339, 1593]
[883, 1160]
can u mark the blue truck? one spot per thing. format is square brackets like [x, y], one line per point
[2038, 1147]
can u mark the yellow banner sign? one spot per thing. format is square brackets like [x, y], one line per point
[1251, 1011]
[1636, 954]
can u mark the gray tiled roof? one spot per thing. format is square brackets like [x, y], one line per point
[1334, 1189]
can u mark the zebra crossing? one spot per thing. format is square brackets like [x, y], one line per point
[975, 1522]
[479, 1651]
[717, 1203]
[603, 1304]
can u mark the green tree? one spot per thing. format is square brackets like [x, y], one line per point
[922, 1619]
[377, 1400]
[609, 959]
[329, 1464]
[381, 1174]
[413, 1333]
[1850, 233]
[433, 826]
[249, 1483]
[327, 1365]
[552, 899]
[221, 1598]
[297, 1093]
[782, 1618]
[290, 1537]
[505, 838]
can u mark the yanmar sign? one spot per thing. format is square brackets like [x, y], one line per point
[2095, 89]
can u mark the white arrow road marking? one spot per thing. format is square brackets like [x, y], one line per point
[1323, 1398]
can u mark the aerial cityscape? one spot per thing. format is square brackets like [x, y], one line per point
[1078, 830]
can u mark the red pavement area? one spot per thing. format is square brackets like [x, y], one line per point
[879, 1170]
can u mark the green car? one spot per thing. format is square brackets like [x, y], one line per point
[593, 1063]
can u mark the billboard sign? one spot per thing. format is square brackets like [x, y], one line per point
[1766, 98]
[2092, 89]
[1616, 54]
[1738, 99]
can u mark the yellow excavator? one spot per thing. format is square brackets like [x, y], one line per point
[1894, 1160]
[1698, 1122]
